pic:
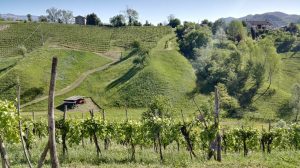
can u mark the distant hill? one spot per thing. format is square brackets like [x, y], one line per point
[17, 17]
[276, 18]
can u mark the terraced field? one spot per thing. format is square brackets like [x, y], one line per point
[88, 38]
[78, 49]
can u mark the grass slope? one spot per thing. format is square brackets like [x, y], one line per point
[168, 73]
[272, 106]
[34, 71]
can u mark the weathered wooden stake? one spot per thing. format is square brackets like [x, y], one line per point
[4, 156]
[217, 111]
[33, 117]
[126, 112]
[20, 126]
[43, 156]
[64, 134]
[51, 121]
[103, 114]
[95, 137]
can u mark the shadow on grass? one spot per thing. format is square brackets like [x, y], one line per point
[7, 88]
[103, 160]
[132, 53]
[127, 76]
[285, 111]
[7, 68]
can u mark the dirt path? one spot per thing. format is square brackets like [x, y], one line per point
[73, 85]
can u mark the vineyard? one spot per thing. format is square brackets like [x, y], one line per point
[88, 38]
[22, 45]
[161, 136]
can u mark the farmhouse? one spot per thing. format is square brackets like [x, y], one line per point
[259, 25]
[73, 101]
[80, 20]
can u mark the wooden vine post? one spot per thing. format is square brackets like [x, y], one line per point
[217, 112]
[106, 140]
[64, 133]
[186, 135]
[51, 122]
[95, 137]
[20, 127]
[4, 156]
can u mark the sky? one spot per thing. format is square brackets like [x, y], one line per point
[155, 11]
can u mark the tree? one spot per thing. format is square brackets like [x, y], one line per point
[205, 22]
[244, 23]
[218, 24]
[174, 22]
[194, 39]
[92, 19]
[29, 18]
[271, 61]
[147, 23]
[295, 100]
[66, 16]
[137, 23]
[53, 14]
[220, 35]
[132, 16]
[293, 28]
[118, 21]
[236, 31]
[43, 19]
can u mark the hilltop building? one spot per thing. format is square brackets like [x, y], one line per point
[259, 25]
[80, 20]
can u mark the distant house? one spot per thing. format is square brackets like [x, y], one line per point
[80, 20]
[259, 25]
[74, 101]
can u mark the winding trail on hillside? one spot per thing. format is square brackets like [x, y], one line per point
[73, 85]
[83, 76]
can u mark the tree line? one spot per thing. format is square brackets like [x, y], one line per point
[233, 57]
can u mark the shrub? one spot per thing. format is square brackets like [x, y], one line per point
[22, 50]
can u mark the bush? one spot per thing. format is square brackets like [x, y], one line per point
[136, 44]
[22, 50]
[284, 43]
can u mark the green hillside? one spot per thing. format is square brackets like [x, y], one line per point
[77, 47]
[34, 71]
[167, 73]
[276, 105]
[88, 38]
[84, 48]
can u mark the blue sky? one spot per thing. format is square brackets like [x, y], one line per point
[154, 10]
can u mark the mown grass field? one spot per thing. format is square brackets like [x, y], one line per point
[118, 156]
